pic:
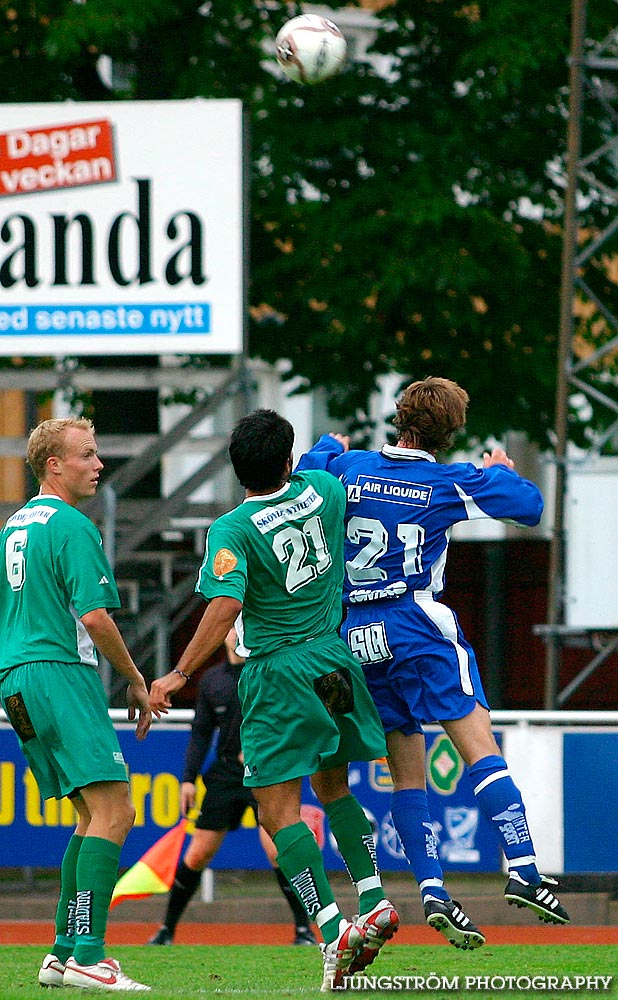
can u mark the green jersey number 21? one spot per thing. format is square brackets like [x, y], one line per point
[293, 545]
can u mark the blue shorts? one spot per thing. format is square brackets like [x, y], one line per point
[417, 663]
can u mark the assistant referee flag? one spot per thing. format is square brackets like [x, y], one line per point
[155, 870]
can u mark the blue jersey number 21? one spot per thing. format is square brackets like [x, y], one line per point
[364, 568]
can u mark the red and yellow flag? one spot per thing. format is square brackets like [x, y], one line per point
[155, 870]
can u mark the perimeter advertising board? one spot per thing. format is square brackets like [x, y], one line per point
[35, 833]
[121, 228]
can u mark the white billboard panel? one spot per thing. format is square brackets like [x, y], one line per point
[121, 228]
[592, 544]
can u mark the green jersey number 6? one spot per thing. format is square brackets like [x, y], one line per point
[15, 561]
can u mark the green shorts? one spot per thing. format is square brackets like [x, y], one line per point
[287, 731]
[60, 714]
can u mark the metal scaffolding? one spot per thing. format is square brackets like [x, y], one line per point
[592, 80]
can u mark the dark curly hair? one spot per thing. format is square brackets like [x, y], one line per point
[429, 413]
[260, 447]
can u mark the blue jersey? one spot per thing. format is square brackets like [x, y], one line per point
[401, 507]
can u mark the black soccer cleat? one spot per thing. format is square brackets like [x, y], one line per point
[163, 936]
[304, 936]
[447, 916]
[538, 898]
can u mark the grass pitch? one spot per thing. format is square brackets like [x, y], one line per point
[189, 972]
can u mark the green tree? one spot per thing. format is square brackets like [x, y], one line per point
[405, 220]
[433, 245]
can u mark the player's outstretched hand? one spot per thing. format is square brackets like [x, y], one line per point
[343, 439]
[163, 688]
[137, 700]
[497, 456]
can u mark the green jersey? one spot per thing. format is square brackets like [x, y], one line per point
[281, 555]
[53, 570]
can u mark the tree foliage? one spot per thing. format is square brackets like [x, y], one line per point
[435, 245]
[405, 216]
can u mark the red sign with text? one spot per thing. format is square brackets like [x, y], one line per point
[56, 157]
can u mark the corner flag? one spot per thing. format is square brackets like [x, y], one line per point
[155, 870]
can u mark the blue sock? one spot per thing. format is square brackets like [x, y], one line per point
[500, 802]
[413, 824]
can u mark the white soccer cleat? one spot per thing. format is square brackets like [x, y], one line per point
[378, 925]
[339, 955]
[51, 972]
[105, 975]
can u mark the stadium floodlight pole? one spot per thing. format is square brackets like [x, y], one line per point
[556, 587]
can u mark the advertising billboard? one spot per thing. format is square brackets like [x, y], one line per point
[590, 796]
[35, 833]
[121, 228]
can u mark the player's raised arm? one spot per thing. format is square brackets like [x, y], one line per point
[210, 634]
[324, 453]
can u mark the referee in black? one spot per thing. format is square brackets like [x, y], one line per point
[226, 798]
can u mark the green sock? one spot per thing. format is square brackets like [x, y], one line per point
[65, 911]
[300, 860]
[97, 872]
[352, 831]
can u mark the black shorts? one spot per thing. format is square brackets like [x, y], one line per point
[226, 798]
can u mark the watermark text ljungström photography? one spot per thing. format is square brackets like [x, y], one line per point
[478, 984]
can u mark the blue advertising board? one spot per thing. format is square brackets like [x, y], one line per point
[590, 793]
[35, 833]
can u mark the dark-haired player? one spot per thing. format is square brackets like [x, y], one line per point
[278, 559]
[217, 712]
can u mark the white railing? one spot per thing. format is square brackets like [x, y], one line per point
[501, 717]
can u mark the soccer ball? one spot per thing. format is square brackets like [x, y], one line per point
[310, 48]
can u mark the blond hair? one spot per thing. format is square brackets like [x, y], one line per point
[430, 412]
[49, 438]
